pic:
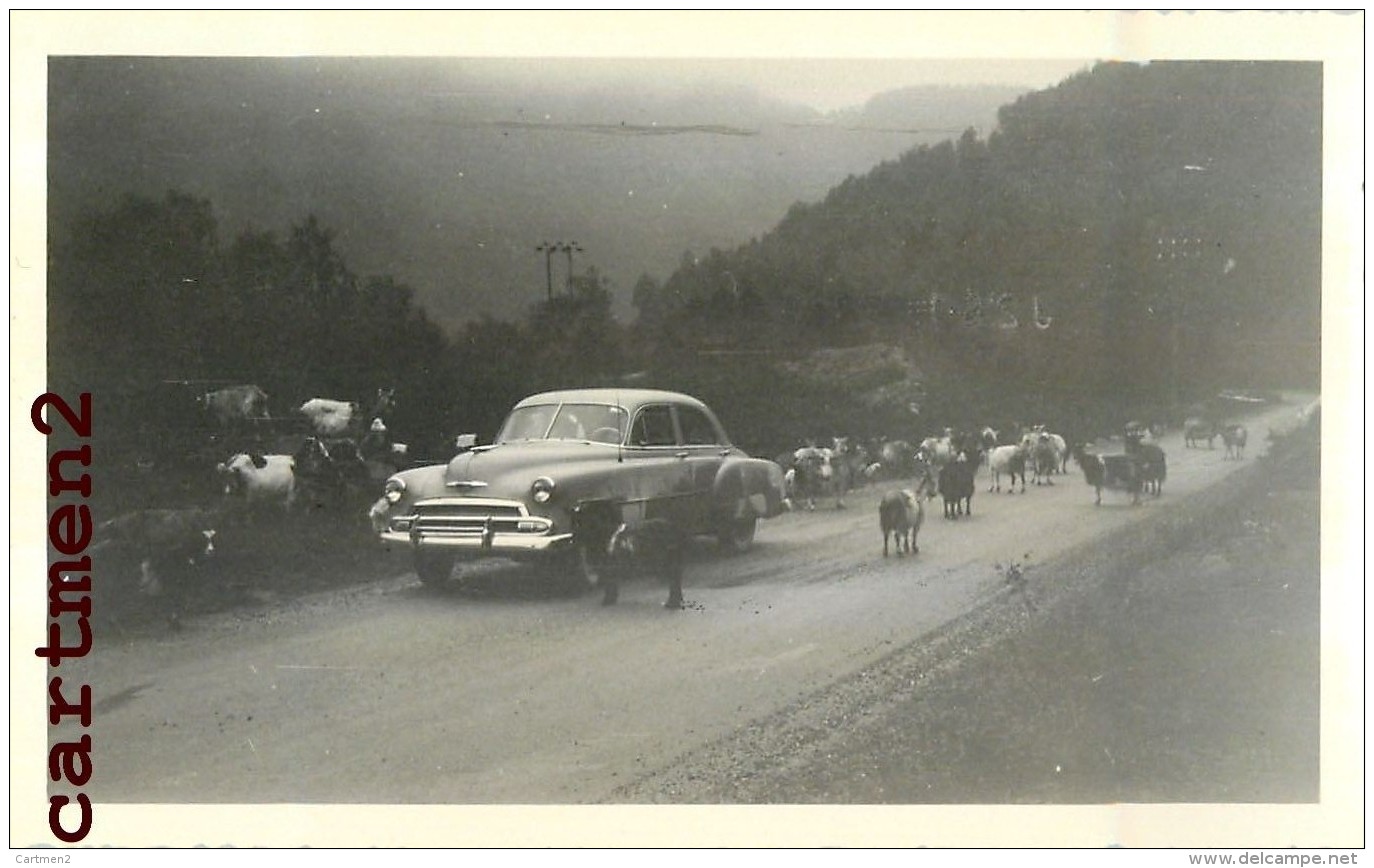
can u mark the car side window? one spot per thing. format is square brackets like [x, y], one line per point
[697, 429]
[654, 427]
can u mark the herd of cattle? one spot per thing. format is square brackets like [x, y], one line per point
[328, 450]
[948, 464]
[323, 456]
[328, 453]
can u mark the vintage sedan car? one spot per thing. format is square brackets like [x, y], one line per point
[566, 468]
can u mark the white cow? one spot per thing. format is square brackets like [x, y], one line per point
[260, 479]
[328, 417]
[938, 451]
[1010, 460]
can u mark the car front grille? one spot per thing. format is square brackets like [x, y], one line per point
[460, 517]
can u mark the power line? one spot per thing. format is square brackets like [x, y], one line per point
[549, 248]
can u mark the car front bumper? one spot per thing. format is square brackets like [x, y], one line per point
[480, 527]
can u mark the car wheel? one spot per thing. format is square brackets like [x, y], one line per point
[738, 535]
[434, 568]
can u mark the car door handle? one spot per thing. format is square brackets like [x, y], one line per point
[683, 454]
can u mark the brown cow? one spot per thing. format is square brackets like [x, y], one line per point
[235, 404]
[654, 547]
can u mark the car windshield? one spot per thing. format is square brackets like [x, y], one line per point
[601, 423]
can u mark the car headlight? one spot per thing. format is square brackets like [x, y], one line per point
[542, 489]
[394, 490]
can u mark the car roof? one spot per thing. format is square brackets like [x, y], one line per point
[621, 397]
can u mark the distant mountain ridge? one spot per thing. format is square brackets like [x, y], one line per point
[449, 175]
[936, 107]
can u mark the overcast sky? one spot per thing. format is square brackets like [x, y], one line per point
[825, 84]
[830, 84]
[445, 173]
[824, 60]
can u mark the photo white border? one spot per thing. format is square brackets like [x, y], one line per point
[1333, 38]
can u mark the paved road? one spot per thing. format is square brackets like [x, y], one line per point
[493, 694]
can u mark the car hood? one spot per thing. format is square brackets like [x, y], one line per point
[494, 464]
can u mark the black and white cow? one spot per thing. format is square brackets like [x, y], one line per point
[1150, 459]
[164, 542]
[1115, 472]
[256, 480]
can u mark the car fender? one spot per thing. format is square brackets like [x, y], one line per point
[749, 487]
[421, 482]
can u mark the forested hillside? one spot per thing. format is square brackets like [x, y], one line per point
[1136, 235]
[1136, 230]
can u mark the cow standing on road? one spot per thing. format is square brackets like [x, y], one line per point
[901, 514]
[1234, 436]
[1115, 472]
[957, 483]
[654, 547]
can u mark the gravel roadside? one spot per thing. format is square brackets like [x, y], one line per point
[1175, 662]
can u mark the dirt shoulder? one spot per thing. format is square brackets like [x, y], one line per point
[1177, 661]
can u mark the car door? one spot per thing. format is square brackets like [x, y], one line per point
[705, 447]
[659, 478]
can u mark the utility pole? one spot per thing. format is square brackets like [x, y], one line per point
[1173, 254]
[549, 248]
[568, 248]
